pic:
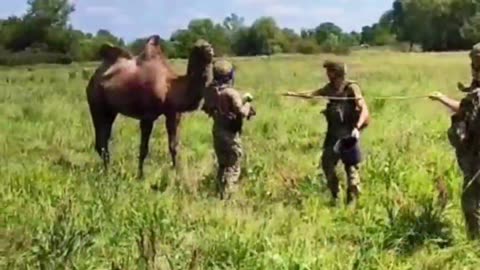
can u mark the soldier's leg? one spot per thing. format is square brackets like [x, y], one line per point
[470, 193]
[220, 154]
[471, 197]
[329, 162]
[471, 208]
[233, 166]
[353, 182]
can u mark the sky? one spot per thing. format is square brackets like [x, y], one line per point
[131, 19]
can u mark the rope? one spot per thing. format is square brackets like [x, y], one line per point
[472, 180]
[355, 98]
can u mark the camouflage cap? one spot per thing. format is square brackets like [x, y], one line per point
[335, 66]
[222, 68]
[201, 42]
[475, 52]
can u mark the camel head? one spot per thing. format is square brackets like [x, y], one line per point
[152, 49]
[201, 57]
[199, 71]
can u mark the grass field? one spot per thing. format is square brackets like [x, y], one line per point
[58, 210]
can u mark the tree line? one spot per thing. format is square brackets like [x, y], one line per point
[43, 33]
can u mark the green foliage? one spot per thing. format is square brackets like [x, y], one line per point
[435, 25]
[307, 46]
[33, 57]
[334, 44]
[325, 31]
[44, 28]
[423, 25]
[201, 29]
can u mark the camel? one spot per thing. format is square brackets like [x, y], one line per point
[145, 87]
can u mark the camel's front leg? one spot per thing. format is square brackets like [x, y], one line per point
[146, 127]
[173, 126]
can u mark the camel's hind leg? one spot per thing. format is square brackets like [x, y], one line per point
[102, 122]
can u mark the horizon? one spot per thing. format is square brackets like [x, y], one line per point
[131, 21]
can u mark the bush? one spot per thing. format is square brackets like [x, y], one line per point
[31, 58]
[406, 47]
[334, 45]
[307, 46]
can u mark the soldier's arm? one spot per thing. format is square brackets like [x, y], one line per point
[319, 92]
[450, 103]
[362, 106]
[238, 106]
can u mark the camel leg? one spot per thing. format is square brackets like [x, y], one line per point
[146, 127]
[173, 123]
[103, 130]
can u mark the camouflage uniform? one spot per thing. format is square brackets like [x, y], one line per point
[464, 136]
[341, 116]
[227, 108]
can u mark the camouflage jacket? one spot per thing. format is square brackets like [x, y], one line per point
[464, 132]
[226, 106]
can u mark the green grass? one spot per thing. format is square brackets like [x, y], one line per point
[58, 211]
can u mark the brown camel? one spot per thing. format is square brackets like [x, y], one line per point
[145, 87]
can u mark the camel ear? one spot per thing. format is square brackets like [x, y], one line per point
[111, 53]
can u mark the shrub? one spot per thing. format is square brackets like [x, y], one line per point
[30, 58]
[307, 46]
[333, 44]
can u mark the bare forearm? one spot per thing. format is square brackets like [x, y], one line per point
[450, 103]
[363, 119]
[308, 94]
[245, 110]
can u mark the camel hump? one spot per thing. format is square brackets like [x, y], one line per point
[111, 53]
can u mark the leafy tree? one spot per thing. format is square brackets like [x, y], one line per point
[204, 29]
[105, 36]
[325, 30]
[233, 23]
[266, 36]
[50, 13]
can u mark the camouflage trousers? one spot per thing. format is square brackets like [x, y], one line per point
[470, 166]
[228, 149]
[329, 162]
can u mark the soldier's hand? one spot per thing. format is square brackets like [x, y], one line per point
[356, 133]
[247, 97]
[435, 96]
[460, 86]
[336, 147]
[251, 113]
[290, 94]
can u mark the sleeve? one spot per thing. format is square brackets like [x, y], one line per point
[235, 99]
[321, 92]
[236, 105]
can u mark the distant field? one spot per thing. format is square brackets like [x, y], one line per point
[58, 211]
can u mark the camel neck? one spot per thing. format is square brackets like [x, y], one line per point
[195, 83]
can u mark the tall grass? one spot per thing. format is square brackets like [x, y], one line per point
[58, 211]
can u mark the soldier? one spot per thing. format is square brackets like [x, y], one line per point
[464, 136]
[345, 118]
[228, 109]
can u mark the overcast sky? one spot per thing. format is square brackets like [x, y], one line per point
[137, 18]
